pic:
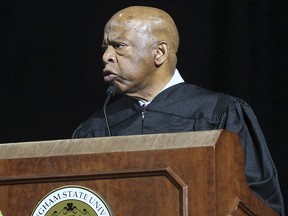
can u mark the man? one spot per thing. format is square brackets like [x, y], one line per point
[140, 46]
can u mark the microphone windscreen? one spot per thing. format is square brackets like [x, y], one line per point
[111, 90]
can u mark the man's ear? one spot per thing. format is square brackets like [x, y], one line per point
[161, 53]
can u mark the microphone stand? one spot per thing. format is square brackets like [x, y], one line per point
[110, 93]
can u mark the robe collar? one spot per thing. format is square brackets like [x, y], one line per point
[176, 78]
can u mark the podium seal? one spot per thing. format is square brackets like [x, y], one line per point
[72, 200]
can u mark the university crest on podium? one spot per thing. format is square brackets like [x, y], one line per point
[72, 200]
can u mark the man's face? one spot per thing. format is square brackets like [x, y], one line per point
[129, 50]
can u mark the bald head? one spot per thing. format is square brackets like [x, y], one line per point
[140, 46]
[153, 21]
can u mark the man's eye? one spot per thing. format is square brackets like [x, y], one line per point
[115, 46]
[118, 45]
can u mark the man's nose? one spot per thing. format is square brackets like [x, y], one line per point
[109, 55]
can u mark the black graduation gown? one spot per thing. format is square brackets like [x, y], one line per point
[187, 107]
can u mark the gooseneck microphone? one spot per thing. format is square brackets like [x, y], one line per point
[110, 93]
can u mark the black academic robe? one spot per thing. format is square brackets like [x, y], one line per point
[187, 107]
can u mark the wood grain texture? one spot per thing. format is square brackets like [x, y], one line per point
[193, 173]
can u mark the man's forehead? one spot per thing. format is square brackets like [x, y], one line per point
[132, 26]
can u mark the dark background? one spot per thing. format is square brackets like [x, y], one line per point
[50, 66]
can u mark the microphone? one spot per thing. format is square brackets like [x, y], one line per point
[110, 93]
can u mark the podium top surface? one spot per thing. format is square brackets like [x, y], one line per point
[109, 144]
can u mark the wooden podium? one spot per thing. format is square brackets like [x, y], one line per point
[187, 173]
